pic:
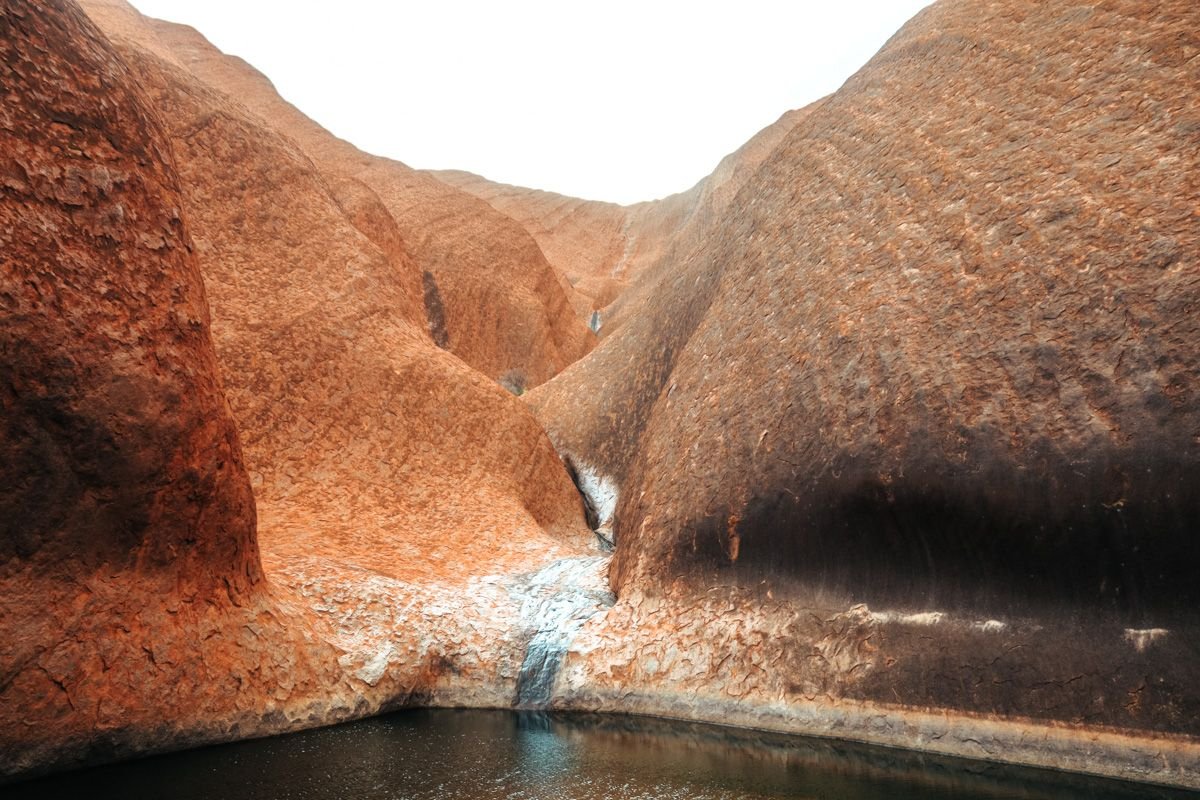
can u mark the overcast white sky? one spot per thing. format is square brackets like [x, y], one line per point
[618, 100]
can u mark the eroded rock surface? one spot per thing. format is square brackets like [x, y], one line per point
[938, 355]
[586, 241]
[896, 410]
[951, 356]
[505, 310]
[132, 600]
[390, 477]
[603, 248]
[597, 409]
[325, 371]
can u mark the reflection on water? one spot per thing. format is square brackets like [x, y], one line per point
[503, 755]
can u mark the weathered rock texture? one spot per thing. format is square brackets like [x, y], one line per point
[597, 409]
[131, 592]
[751, 657]
[939, 355]
[323, 368]
[600, 248]
[136, 612]
[585, 240]
[503, 309]
[379, 461]
[953, 351]
[900, 404]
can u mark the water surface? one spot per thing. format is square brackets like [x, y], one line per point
[503, 755]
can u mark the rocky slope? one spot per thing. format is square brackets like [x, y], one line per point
[584, 240]
[601, 248]
[894, 418]
[324, 360]
[977, 318]
[130, 579]
[938, 357]
[597, 409]
[389, 476]
[493, 299]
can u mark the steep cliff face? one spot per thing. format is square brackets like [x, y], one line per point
[129, 569]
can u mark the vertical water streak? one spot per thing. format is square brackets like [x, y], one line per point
[555, 603]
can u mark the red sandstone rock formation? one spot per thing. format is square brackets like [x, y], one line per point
[601, 247]
[343, 402]
[978, 312]
[378, 460]
[503, 308]
[131, 592]
[383, 466]
[938, 354]
[596, 410]
[864, 360]
[584, 240]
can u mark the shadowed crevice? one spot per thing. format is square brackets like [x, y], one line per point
[435, 312]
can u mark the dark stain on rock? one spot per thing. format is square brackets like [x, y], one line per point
[435, 312]
[992, 539]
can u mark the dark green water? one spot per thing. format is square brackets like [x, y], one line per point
[503, 755]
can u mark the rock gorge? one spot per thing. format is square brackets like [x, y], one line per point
[893, 418]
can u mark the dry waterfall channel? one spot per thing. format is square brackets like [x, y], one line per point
[555, 602]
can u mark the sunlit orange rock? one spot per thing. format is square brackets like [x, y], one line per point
[132, 601]
[503, 307]
[893, 418]
[597, 409]
[393, 482]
